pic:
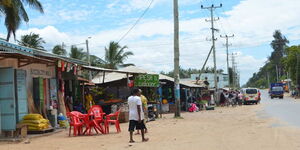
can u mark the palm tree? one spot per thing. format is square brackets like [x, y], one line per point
[115, 55]
[14, 12]
[32, 40]
[59, 50]
[96, 61]
[77, 53]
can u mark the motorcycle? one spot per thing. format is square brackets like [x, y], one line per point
[152, 112]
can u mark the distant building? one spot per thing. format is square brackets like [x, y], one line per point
[223, 79]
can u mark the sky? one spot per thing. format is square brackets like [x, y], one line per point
[251, 21]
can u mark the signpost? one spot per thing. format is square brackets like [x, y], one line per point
[146, 80]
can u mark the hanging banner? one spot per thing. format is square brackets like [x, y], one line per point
[146, 80]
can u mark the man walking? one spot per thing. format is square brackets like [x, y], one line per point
[136, 115]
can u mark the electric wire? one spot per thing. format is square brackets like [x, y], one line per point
[137, 21]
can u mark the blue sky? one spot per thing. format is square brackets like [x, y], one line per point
[252, 22]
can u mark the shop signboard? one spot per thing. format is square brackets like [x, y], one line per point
[146, 80]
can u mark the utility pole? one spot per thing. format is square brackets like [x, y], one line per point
[176, 59]
[233, 71]
[297, 75]
[88, 56]
[268, 76]
[212, 20]
[63, 45]
[227, 45]
[277, 73]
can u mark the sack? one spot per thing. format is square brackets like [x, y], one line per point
[31, 128]
[35, 121]
[33, 117]
[41, 125]
[63, 123]
[38, 127]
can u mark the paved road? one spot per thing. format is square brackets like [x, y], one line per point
[287, 109]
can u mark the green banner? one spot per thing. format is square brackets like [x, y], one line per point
[146, 80]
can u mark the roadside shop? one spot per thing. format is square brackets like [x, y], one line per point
[30, 83]
[190, 92]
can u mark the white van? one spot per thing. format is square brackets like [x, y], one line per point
[250, 95]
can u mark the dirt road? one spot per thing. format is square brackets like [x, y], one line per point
[223, 129]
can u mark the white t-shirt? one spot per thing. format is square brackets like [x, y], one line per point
[133, 102]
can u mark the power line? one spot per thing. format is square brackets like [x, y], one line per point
[137, 21]
[167, 44]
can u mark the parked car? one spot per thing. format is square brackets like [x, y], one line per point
[251, 95]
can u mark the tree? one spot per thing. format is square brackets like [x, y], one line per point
[290, 63]
[268, 73]
[77, 53]
[59, 50]
[115, 55]
[32, 40]
[96, 61]
[278, 44]
[14, 12]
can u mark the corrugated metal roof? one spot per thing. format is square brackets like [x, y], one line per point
[14, 48]
[51, 55]
[115, 76]
[137, 69]
[189, 83]
[109, 77]
[112, 70]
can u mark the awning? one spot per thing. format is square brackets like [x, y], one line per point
[112, 70]
[24, 60]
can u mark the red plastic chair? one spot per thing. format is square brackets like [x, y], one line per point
[75, 122]
[98, 116]
[115, 121]
[89, 124]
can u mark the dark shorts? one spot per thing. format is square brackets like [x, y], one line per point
[133, 124]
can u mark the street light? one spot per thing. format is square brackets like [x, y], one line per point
[88, 56]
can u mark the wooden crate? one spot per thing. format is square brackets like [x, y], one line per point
[124, 117]
[172, 108]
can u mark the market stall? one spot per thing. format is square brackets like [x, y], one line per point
[31, 77]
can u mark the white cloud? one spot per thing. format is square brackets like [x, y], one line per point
[256, 19]
[50, 34]
[74, 15]
[252, 22]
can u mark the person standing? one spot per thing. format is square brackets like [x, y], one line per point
[136, 115]
[145, 109]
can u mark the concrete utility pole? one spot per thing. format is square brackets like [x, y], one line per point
[268, 76]
[297, 73]
[235, 80]
[227, 45]
[277, 75]
[88, 56]
[176, 59]
[63, 45]
[212, 20]
[233, 71]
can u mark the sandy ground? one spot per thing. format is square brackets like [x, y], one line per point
[223, 129]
